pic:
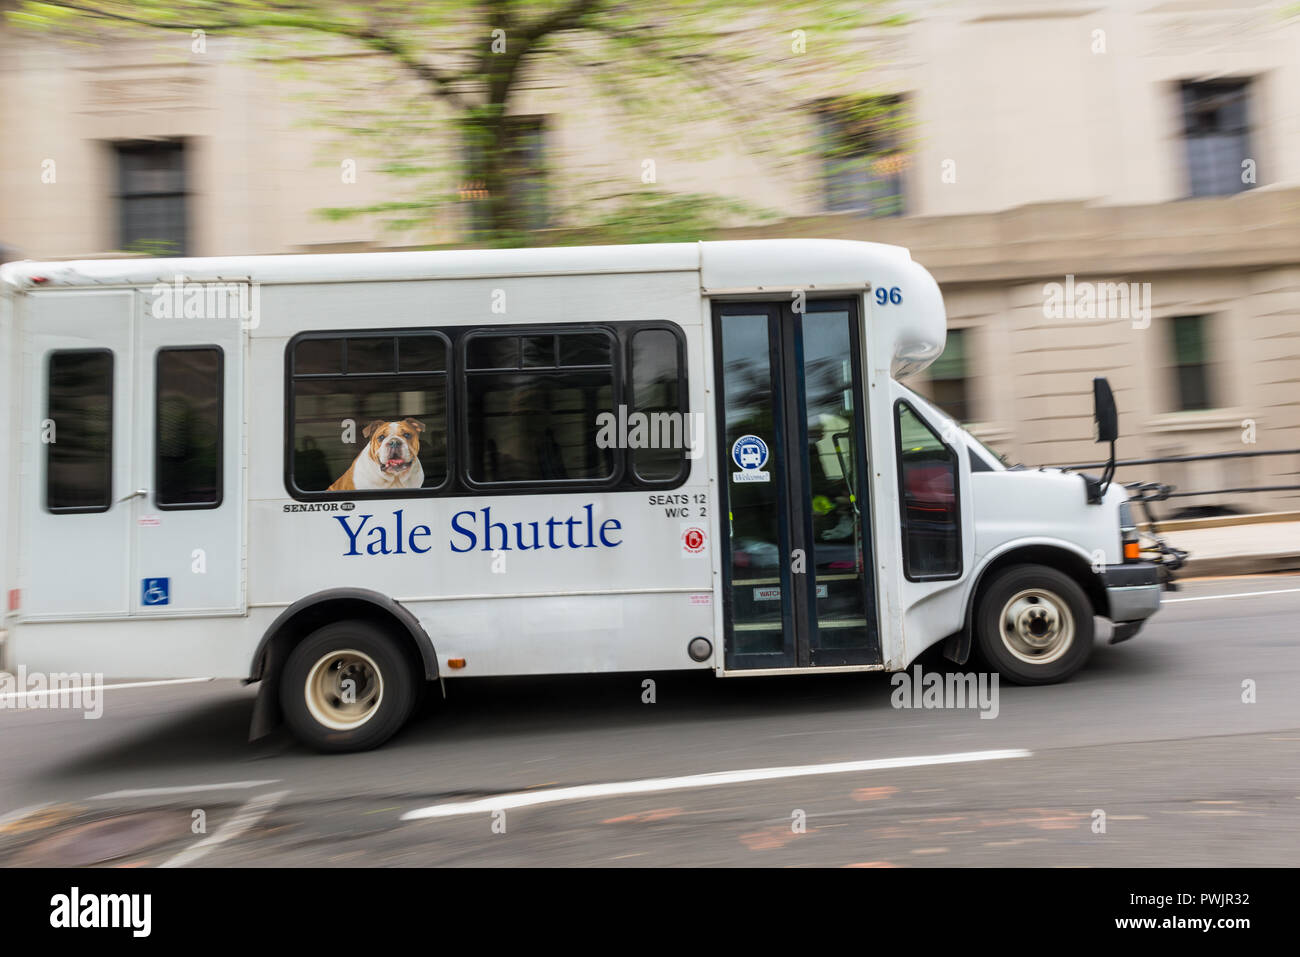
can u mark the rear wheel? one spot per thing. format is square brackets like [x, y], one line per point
[347, 687]
[1034, 625]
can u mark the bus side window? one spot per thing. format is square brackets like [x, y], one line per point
[532, 406]
[188, 398]
[927, 474]
[79, 431]
[343, 384]
[656, 379]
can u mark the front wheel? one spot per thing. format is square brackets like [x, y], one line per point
[346, 687]
[1034, 625]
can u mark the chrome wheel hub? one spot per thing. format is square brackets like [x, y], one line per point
[344, 689]
[1036, 626]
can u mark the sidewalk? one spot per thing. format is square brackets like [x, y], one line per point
[1248, 548]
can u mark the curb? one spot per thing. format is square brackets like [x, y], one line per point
[1221, 521]
[1257, 564]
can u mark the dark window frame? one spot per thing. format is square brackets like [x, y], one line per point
[290, 378]
[616, 373]
[109, 413]
[1193, 95]
[221, 429]
[122, 148]
[899, 404]
[456, 484]
[849, 146]
[683, 397]
[526, 181]
[966, 404]
[1208, 386]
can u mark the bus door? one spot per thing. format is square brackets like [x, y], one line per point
[187, 500]
[797, 557]
[133, 477]
[77, 421]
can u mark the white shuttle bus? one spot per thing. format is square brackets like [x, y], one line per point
[344, 476]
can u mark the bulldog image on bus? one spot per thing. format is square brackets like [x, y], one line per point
[343, 476]
[389, 460]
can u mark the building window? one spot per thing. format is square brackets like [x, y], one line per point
[1191, 348]
[950, 378]
[524, 172]
[369, 412]
[79, 452]
[1216, 127]
[187, 427]
[860, 140]
[151, 198]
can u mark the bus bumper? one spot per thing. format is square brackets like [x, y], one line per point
[1133, 593]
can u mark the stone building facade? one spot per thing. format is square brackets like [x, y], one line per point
[1100, 188]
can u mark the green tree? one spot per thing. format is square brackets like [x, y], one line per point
[669, 67]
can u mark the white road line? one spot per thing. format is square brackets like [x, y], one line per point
[84, 688]
[715, 779]
[246, 817]
[1244, 594]
[184, 789]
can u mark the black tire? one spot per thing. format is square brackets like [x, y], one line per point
[1020, 625]
[383, 689]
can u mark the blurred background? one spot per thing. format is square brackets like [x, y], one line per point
[1010, 144]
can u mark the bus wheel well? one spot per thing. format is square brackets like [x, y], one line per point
[1063, 560]
[305, 616]
[958, 645]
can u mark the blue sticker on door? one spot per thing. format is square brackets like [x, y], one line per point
[155, 591]
[749, 452]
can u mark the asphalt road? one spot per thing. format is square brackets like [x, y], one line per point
[1153, 739]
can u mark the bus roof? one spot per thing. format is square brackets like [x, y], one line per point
[733, 264]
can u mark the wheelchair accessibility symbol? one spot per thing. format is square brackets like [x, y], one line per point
[155, 591]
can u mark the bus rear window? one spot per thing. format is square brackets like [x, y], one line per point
[79, 431]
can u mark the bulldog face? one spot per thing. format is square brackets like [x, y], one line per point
[394, 445]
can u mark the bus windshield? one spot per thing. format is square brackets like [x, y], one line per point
[942, 419]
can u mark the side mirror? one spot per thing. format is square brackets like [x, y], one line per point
[1103, 410]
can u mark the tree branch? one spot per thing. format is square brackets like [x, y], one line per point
[298, 18]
